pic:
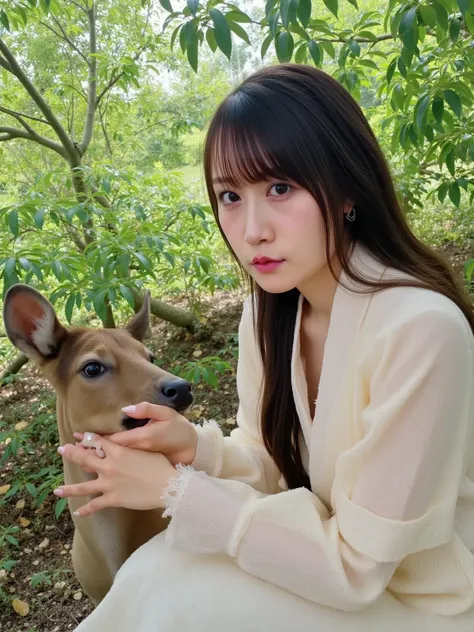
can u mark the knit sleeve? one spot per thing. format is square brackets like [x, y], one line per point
[394, 492]
[241, 456]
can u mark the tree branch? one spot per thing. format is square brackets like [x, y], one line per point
[5, 64]
[9, 133]
[22, 115]
[114, 78]
[63, 36]
[69, 149]
[79, 6]
[92, 93]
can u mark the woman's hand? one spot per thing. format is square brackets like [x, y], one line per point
[167, 432]
[128, 478]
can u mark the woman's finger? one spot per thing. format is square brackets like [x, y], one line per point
[82, 457]
[89, 488]
[96, 504]
[145, 410]
[143, 438]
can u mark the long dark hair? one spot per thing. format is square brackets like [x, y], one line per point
[297, 123]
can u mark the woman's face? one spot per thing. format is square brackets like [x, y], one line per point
[276, 229]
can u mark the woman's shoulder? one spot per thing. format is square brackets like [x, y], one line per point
[429, 312]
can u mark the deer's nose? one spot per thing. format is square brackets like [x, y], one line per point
[176, 394]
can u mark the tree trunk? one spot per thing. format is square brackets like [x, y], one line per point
[14, 366]
[173, 315]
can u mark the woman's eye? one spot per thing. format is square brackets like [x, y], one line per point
[279, 189]
[93, 369]
[228, 197]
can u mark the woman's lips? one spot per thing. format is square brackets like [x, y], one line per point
[264, 264]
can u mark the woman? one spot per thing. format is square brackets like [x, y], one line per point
[344, 499]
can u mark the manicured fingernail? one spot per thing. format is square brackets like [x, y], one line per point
[129, 409]
[77, 435]
[58, 492]
[76, 513]
[61, 449]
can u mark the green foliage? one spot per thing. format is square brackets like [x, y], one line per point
[152, 235]
[416, 60]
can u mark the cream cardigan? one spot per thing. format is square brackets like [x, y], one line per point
[389, 454]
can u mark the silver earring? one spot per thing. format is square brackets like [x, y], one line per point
[351, 215]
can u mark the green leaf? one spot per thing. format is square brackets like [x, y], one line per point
[288, 12]
[450, 158]
[354, 47]
[13, 223]
[193, 6]
[390, 70]
[454, 193]
[269, 6]
[437, 107]
[238, 30]
[301, 54]
[143, 260]
[265, 44]
[39, 218]
[69, 307]
[428, 15]
[170, 258]
[192, 48]
[4, 20]
[368, 63]
[127, 295]
[329, 48]
[454, 28]
[454, 102]
[106, 185]
[284, 45]
[57, 270]
[398, 96]
[442, 16]
[237, 16]
[166, 4]
[354, 3]
[211, 39]
[442, 191]
[332, 5]
[421, 111]
[31, 489]
[408, 28]
[221, 32]
[401, 67]
[273, 22]
[469, 270]
[60, 507]
[304, 12]
[315, 52]
[464, 6]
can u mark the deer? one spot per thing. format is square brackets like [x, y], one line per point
[94, 373]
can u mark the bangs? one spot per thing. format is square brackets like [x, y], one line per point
[244, 145]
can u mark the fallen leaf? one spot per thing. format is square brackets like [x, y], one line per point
[77, 596]
[20, 504]
[4, 489]
[24, 522]
[3, 575]
[20, 607]
[8, 440]
[21, 425]
[197, 353]
[230, 421]
[44, 544]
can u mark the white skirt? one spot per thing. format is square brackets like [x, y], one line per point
[161, 590]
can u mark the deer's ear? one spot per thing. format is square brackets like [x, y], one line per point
[31, 323]
[139, 326]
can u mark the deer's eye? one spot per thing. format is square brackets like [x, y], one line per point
[93, 369]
